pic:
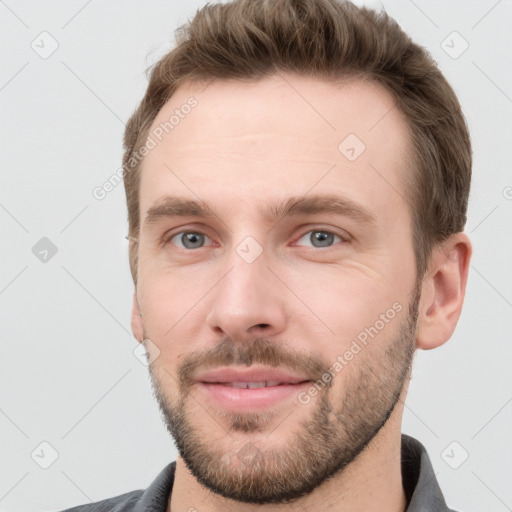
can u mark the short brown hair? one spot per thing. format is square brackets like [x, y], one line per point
[332, 39]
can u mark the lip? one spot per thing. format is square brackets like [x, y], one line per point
[213, 386]
[249, 400]
[223, 375]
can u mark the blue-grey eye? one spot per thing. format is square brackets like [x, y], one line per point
[320, 238]
[190, 239]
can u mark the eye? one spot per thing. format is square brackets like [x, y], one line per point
[321, 238]
[188, 239]
[196, 239]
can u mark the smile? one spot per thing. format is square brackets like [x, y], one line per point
[252, 385]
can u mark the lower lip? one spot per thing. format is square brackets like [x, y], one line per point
[245, 399]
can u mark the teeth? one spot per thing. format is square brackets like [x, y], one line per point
[251, 385]
[237, 384]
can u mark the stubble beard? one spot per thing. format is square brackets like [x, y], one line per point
[324, 444]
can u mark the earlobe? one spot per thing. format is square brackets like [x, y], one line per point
[136, 321]
[443, 292]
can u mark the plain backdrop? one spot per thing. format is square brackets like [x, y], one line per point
[69, 376]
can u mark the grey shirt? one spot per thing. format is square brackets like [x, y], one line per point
[420, 485]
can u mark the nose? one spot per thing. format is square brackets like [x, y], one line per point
[247, 302]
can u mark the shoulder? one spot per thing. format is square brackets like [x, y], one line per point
[155, 497]
[122, 503]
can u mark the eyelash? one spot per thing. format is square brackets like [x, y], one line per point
[344, 238]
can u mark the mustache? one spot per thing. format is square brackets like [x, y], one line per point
[259, 351]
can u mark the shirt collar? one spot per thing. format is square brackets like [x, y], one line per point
[419, 480]
[156, 496]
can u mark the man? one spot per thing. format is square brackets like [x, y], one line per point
[297, 178]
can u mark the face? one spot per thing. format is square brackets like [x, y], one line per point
[276, 278]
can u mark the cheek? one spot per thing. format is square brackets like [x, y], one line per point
[356, 316]
[160, 306]
[170, 303]
[346, 297]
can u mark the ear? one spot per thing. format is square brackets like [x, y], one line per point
[442, 292]
[137, 327]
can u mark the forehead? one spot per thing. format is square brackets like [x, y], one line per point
[276, 135]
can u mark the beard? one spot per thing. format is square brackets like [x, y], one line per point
[334, 434]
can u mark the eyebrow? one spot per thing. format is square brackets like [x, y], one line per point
[173, 206]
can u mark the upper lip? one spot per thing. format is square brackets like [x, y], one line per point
[220, 375]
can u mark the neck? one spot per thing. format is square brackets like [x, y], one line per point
[373, 482]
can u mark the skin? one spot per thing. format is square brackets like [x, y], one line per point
[242, 146]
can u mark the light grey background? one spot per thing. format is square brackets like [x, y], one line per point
[68, 373]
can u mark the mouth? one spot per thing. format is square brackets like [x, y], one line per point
[256, 385]
[250, 390]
